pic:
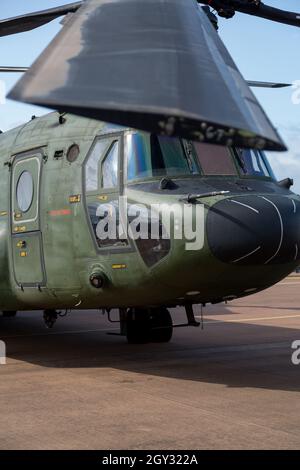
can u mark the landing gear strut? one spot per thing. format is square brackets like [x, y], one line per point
[50, 317]
[150, 325]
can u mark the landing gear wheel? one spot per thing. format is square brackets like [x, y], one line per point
[138, 326]
[9, 314]
[148, 325]
[161, 325]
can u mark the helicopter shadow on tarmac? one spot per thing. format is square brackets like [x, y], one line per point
[257, 307]
[230, 353]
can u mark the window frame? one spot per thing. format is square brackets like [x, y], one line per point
[111, 138]
[134, 182]
[18, 159]
[118, 190]
[232, 153]
[148, 179]
[271, 176]
[101, 164]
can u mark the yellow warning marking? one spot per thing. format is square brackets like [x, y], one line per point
[18, 216]
[119, 266]
[23, 254]
[20, 229]
[21, 244]
[75, 199]
[102, 198]
[3, 213]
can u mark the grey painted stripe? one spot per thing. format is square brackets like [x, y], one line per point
[247, 256]
[281, 228]
[245, 205]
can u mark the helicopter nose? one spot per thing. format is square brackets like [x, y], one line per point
[255, 230]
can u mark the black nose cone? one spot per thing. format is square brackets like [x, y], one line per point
[254, 230]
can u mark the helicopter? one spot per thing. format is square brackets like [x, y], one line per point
[169, 142]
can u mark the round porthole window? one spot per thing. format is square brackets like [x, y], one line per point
[25, 189]
[73, 153]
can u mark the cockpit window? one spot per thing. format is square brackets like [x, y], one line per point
[151, 156]
[110, 168]
[253, 163]
[215, 160]
[92, 164]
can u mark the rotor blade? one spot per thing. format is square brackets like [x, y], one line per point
[275, 14]
[13, 69]
[154, 65]
[23, 23]
[253, 7]
[267, 84]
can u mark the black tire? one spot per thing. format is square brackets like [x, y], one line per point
[161, 326]
[9, 314]
[138, 328]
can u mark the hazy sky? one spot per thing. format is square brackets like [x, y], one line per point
[263, 51]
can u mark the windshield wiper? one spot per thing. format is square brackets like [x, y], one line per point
[193, 197]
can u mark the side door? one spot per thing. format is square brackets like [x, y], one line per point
[27, 249]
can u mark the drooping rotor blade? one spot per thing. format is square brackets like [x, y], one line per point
[154, 65]
[255, 84]
[227, 8]
[13, 69]
[23, 23]
[280, 16]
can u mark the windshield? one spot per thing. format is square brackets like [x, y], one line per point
[253, 163]
[152, 156]
[215, 160]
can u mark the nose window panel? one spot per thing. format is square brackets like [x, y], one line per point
[253, 163]
[174, 156]
[138, 157]
[215, 160]
[150, 156]
[150, 235]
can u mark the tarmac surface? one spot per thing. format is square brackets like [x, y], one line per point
[231, 386]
